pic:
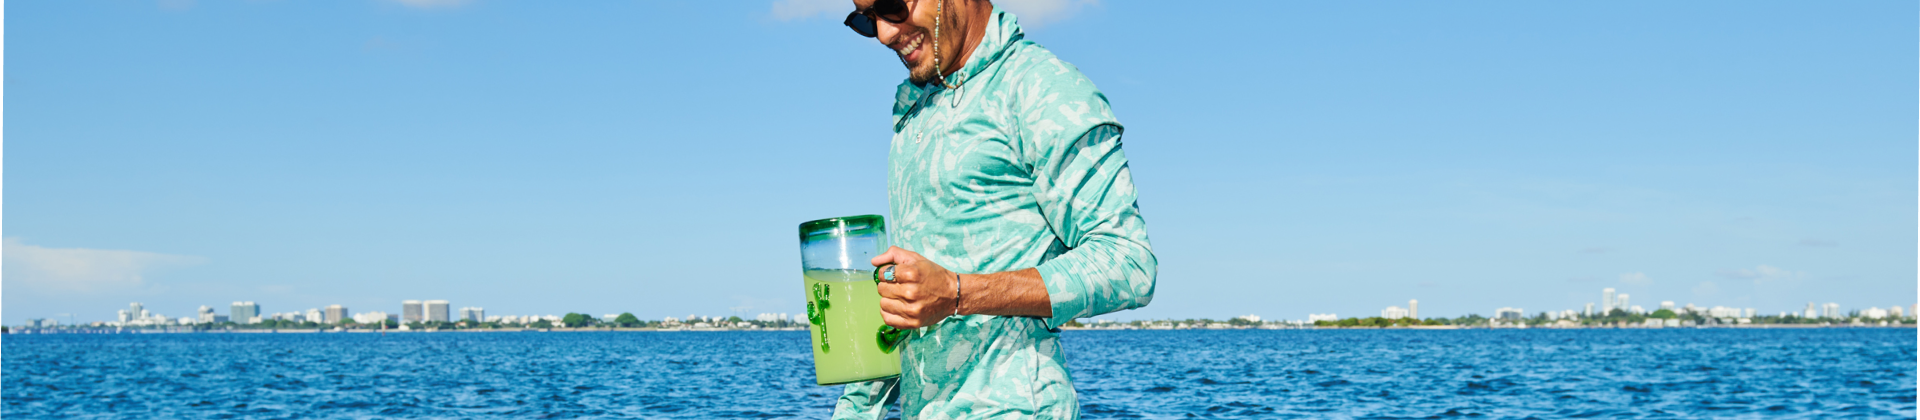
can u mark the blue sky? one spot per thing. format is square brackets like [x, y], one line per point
[656, 157]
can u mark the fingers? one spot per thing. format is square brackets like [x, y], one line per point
[903, 290]
[899, 314]
[903, 302]
[894, 255]
[906, 274]
[889, 290]
[902, 274]
[897, 321]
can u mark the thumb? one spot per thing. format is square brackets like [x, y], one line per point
[892, 256]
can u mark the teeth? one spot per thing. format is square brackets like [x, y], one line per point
[912, 46]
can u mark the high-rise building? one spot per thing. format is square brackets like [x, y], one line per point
[1606, 300]
[1620, 300]
[137, 311]
[125, 317]
[410, 311]
[1750, 313]
[244, 312]
[1723, 312]
[1811, 312]
[1832, 310]
[1895, 311]
[473, 314]
[336, 313]
[1393, 312]
[437, 311]
[205, 314]
[1413, 308]
[1589, 312]
[1511, 314]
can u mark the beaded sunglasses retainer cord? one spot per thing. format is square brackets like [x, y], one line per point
[938, 70]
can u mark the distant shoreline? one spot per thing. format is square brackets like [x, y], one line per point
[510, 330]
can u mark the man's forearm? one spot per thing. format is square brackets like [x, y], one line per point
[1007, 293]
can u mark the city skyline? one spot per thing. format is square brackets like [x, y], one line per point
[1611, 300]
[413, 311]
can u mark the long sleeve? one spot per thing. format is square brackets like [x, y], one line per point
[867, 400]
[1087, 198]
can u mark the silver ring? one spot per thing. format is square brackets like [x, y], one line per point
[886, 274]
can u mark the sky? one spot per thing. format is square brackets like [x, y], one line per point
[656, 157]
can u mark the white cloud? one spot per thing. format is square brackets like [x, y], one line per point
[1039, 12]
[431, 4]
[81, 269]
[1763, 272]
[1636, 278]
[802, 9]
[1766, 277]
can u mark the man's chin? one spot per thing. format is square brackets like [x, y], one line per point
[921, 76]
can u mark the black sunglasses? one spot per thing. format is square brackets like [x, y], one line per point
[862, 21]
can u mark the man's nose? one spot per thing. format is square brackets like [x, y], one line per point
[885, 31]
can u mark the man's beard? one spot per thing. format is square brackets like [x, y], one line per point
[921, 75]
[928, 73]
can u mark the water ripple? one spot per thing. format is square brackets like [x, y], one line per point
[1402, 374]
[1832, 373]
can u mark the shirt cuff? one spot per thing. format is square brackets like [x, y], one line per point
[1065, 291]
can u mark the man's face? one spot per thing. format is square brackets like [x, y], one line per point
[912, 40]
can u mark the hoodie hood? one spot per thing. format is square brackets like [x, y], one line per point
[1003, 30]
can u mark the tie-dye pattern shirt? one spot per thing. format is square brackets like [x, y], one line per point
[1020, 167]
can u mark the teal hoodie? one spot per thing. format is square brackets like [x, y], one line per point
[1020, 167]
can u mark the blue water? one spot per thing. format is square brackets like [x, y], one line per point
[1829, 373]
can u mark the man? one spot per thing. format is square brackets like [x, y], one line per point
[1013, 210]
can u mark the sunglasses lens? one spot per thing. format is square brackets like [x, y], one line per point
[892, 10]
[862, 25]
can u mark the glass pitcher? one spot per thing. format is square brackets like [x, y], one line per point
[850, 341]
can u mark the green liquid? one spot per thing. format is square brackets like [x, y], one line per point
[846, 344]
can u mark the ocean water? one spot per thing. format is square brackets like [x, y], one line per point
[1825, 373]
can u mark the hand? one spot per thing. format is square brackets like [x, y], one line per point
[922, 293]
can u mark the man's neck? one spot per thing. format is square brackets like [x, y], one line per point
[973, 18]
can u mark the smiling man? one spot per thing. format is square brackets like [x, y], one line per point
[1013, 210]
